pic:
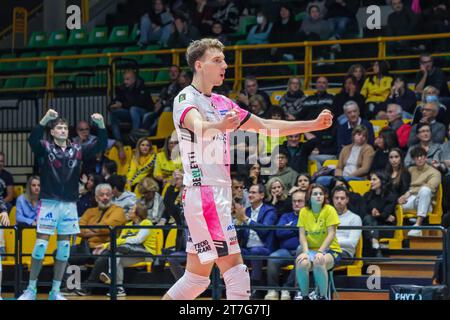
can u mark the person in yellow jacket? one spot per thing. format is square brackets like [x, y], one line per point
[318, 222]
[142, 164]
[165, 166]
[376, 88]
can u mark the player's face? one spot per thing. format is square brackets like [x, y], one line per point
[394, 159]
[213, 67]
[298, 201]
[60, 132]
[35, 187]
[340, 200]
[303, 183]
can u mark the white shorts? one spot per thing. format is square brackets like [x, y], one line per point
[207, 210]
[58, 215]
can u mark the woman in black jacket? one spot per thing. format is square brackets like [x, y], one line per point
[386, 140]
[397, 172]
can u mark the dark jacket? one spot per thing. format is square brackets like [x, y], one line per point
[266, 217]
[315, 104]
[385, 205]
[403, 186]
[288, 239]
[134, 96]
[357, 204]
[380, 160]
[342, 97]
[407, 101]
[344, 134]
[292, 103]
[298, 157]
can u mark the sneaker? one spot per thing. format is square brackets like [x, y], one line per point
[321, 298]
[415, 233]
[105, 278]
[83, 292]
[313, 295]
[120, 292]
[28, 294]
[272, 295]
[68, 292]
[55, 295]
[300, 297]
[285, 295]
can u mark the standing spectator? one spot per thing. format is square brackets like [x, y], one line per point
[287, 175]
[292, 101]
[156, 25]
[289, 247]
[259, 33]
[431, 94]
[27, 205]
[251, 89]
[130, 104]
[201, 15]
[142, 164]
[282, 33]
[429, 113]
[347, 239]
[152, 200]
[314, 104]
[228, 15]
[430, 75]
[349, 92]
[395, 123]
[386, 140]
[166, 162]
[424, 134]
[121, 198]
[403, 96]
[277, 196]
[6, 184]
[380, 204]
[183, 33]
[421, 195]
[358, 71]
[87, 193]
[377, 88]
[398, 173]
[341, 13]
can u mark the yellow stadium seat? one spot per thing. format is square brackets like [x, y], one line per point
[312, 167]
[18, 190]
[435, 216]
[276, 97]
[159, 245]
[171, 239]
[113, 154]
[355, 269]
[28, 241]
[407, 120]
[397, 241]
[12, 216]
[360, 187]
[378, 125]
[10, 247]
[331, 163]
[165, 126]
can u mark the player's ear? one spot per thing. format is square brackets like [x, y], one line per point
[198, 65]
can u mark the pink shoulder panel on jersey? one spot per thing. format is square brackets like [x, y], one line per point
[183, 115]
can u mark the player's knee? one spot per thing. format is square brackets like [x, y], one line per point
[189, 286]
[39, 249]
[237, 283]
[63, 250]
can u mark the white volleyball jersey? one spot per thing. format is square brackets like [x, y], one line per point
[205, 162]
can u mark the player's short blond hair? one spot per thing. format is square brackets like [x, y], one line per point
[197, 49]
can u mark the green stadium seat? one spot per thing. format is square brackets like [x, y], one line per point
[134, 57]
[43, 63]
[78, 37]
[119, 34]
[14, 83]
[27, 65]
[37, 40]
[72, 63]
[57, 39]
[99, 80]
[8, 66]
[58, 79]
[151, 58]
[300, 16]
[33, 82]
[134, 33]
[147, 76]
[104, 61]
[98, 36]
[162, 76]
[244, 23]
[88, 62]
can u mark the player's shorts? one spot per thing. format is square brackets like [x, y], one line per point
[62, 216]
[207, 210]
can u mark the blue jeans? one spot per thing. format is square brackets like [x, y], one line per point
[148, 33]
[256, 265]
[326, 180]
[339, 25]
[274, 266]
[134, 115]
[150, 122]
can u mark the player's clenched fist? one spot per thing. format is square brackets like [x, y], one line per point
[324, 120]
[97, 118]
[50, 115]
[231, 121]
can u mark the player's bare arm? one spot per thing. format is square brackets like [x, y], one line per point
[50, 115]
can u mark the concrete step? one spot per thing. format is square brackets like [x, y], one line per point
[407, 269]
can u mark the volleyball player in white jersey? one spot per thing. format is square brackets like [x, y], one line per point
[203, 121]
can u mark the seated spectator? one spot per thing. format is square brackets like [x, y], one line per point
[130, 104]
[152, 200]
[430, 75]
[403, 96]
[183, 33]
[345, 130]
[398, 173]
[434, 152]
[292, 101]
[395, 123]
[259, 33]
[156, 25]
[299, 152]
[304, 180]
[256, 242]
[325, 146]
[431, 94]
[166, 162]
[318, 223]
[269, 144]
[314, 26]
[277, 196]
[421, 195]
[108, 169]
[436, 20]
[251, 89]
[131, 241]
[314, 104]
[377, 88]
[380, 205]
[347, 239]
[6, 184]
[282, 33]
[386, 140]
[228, 15]
[239, 192]
[201, 15]
[87, 193]
[321, 4]
[257, 106]
[142, 164]
[254, 176]
[122, 198]
[358, 71]
[429, 113]
[356, 202]
[218, 33]
[287, 175]
[185, 79]
[27, 205]
[445, 169]
[289, 249]
[348, 93]
[340, 14]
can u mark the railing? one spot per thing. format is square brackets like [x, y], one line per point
[216, 285]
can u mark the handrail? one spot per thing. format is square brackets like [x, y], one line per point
[30, 15]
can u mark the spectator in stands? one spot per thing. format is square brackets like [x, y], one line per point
[299, 151]
[345, 130]
[377, 88]
[201, 15]
[256, 241]
[152, 200]
[292, 101]
[182, 33]
[4, 222]
[431, 94]
[185, 79]
[395, 123]
[228, 15]
[259, 33]
[403, 96]
[436, 20]
[304, 180]
[27, 205]
[277, 196]
[445, 169]
[254, 176]
[321, 4]
[166, 162]
[314, 26]
[398, 173]
[386, 140]
[429, 113]
[347, 239]
[156, 25]
[251, 89]
[358, 71]
[356, 202]
[289, 247]
[314, 104]
[169, 92]
[239, 192]
[6, 184]
[121, 198]
[380, 205]
[130, 104]
[318, 222]
[287, 175]
[87, 192]
[430, 75]
[142, 164]
[109, 168]
[341, 13]
[258, 106]
[425, 181]
[218, 33]
[349, 92]
[282, 33]
[131, 241]
[403, 21]
[424, 133]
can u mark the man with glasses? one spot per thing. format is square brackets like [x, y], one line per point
[424, 133]
[430, 75]
[429, 113]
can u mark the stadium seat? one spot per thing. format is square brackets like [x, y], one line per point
[14, 83]
[378, 125]
[113, 154]
[27, 65]
[435, 216]
[88, 62]
[165, 126]
[162, 76]
[151, 58]
[331, 163]
[12, 215]
[105, 61]
[28, 241]
[355, 269]
[98, 36]
[300, 16]
[18, 190]
[397, 241]
[37, 40]
[8, 66]
[360, 187]
[244, 23]
[134, 33]
[42, 64]
[71, 63]
[119, 34]
[138, 58]
[10, 245]
[35, 82]
[159, 237]
[276, 97]
[312, 167]
[78, 37]
[57, 39]
[171, 239]
[147, 76]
